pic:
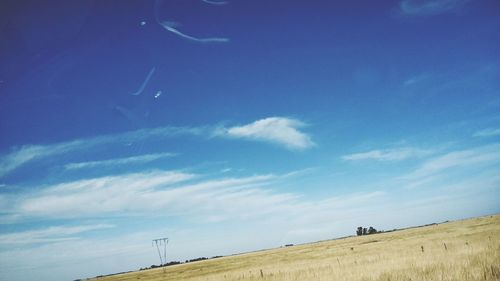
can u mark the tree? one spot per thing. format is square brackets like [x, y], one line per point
[372, 230]
[364, 231]
[359, 231]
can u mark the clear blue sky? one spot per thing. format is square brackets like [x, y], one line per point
[231, 126]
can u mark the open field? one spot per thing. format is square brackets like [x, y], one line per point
[461, 250]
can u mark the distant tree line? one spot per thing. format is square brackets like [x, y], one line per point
[179, 262]
[366, 231]
[196, 259]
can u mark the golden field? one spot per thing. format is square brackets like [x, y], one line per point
[462, 250]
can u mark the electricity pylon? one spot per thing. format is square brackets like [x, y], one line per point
[158, 243]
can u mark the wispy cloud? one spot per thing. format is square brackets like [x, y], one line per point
[430, 7]
[141, 159]
[396, 154]
[28, 153]
[303, 222]
[127, 193]
[416, 79]
[158, 191]
[460, 158]
[490, 132]
[455, 163]
[254, 201]
[169, 193]
[25, 154]
[49, 235]
[279, 130]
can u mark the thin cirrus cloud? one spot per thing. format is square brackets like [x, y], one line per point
[490, 132]
[142, 193]
[388, 154]
[99, 195]
[29, 153]
[20, 156]
[169, 192]
[469, 158]
[232, 199]
[49, 235]
[430, 7]
[287, 214]
[278, 130]
[414, 80]
[141, 159]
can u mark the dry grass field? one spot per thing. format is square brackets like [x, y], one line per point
[461, 251]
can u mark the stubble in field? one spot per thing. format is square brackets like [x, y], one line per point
[462, 250]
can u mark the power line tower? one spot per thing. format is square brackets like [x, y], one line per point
[158, 242]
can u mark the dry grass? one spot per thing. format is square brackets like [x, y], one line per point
[472, 252]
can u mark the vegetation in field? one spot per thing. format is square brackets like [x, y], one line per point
[462, 250]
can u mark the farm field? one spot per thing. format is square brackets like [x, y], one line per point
[460, 250]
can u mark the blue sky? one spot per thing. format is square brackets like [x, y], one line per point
[232, 126]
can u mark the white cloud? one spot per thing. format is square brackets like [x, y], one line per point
[165, 193]
[416, 79]
[275, 129]
[458, 159]
[279, 130]
[208, 201]
[455, 166]
[78, 258]
[28, 153]
[97, 196]
[226, 170]
[48, 235]
[252, 204]
[140, 193]
[388, 154]
[490, 132]
[305, 222]
[141, 159]
[430, 7]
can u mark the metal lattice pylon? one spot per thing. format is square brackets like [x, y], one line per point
[158, 243]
